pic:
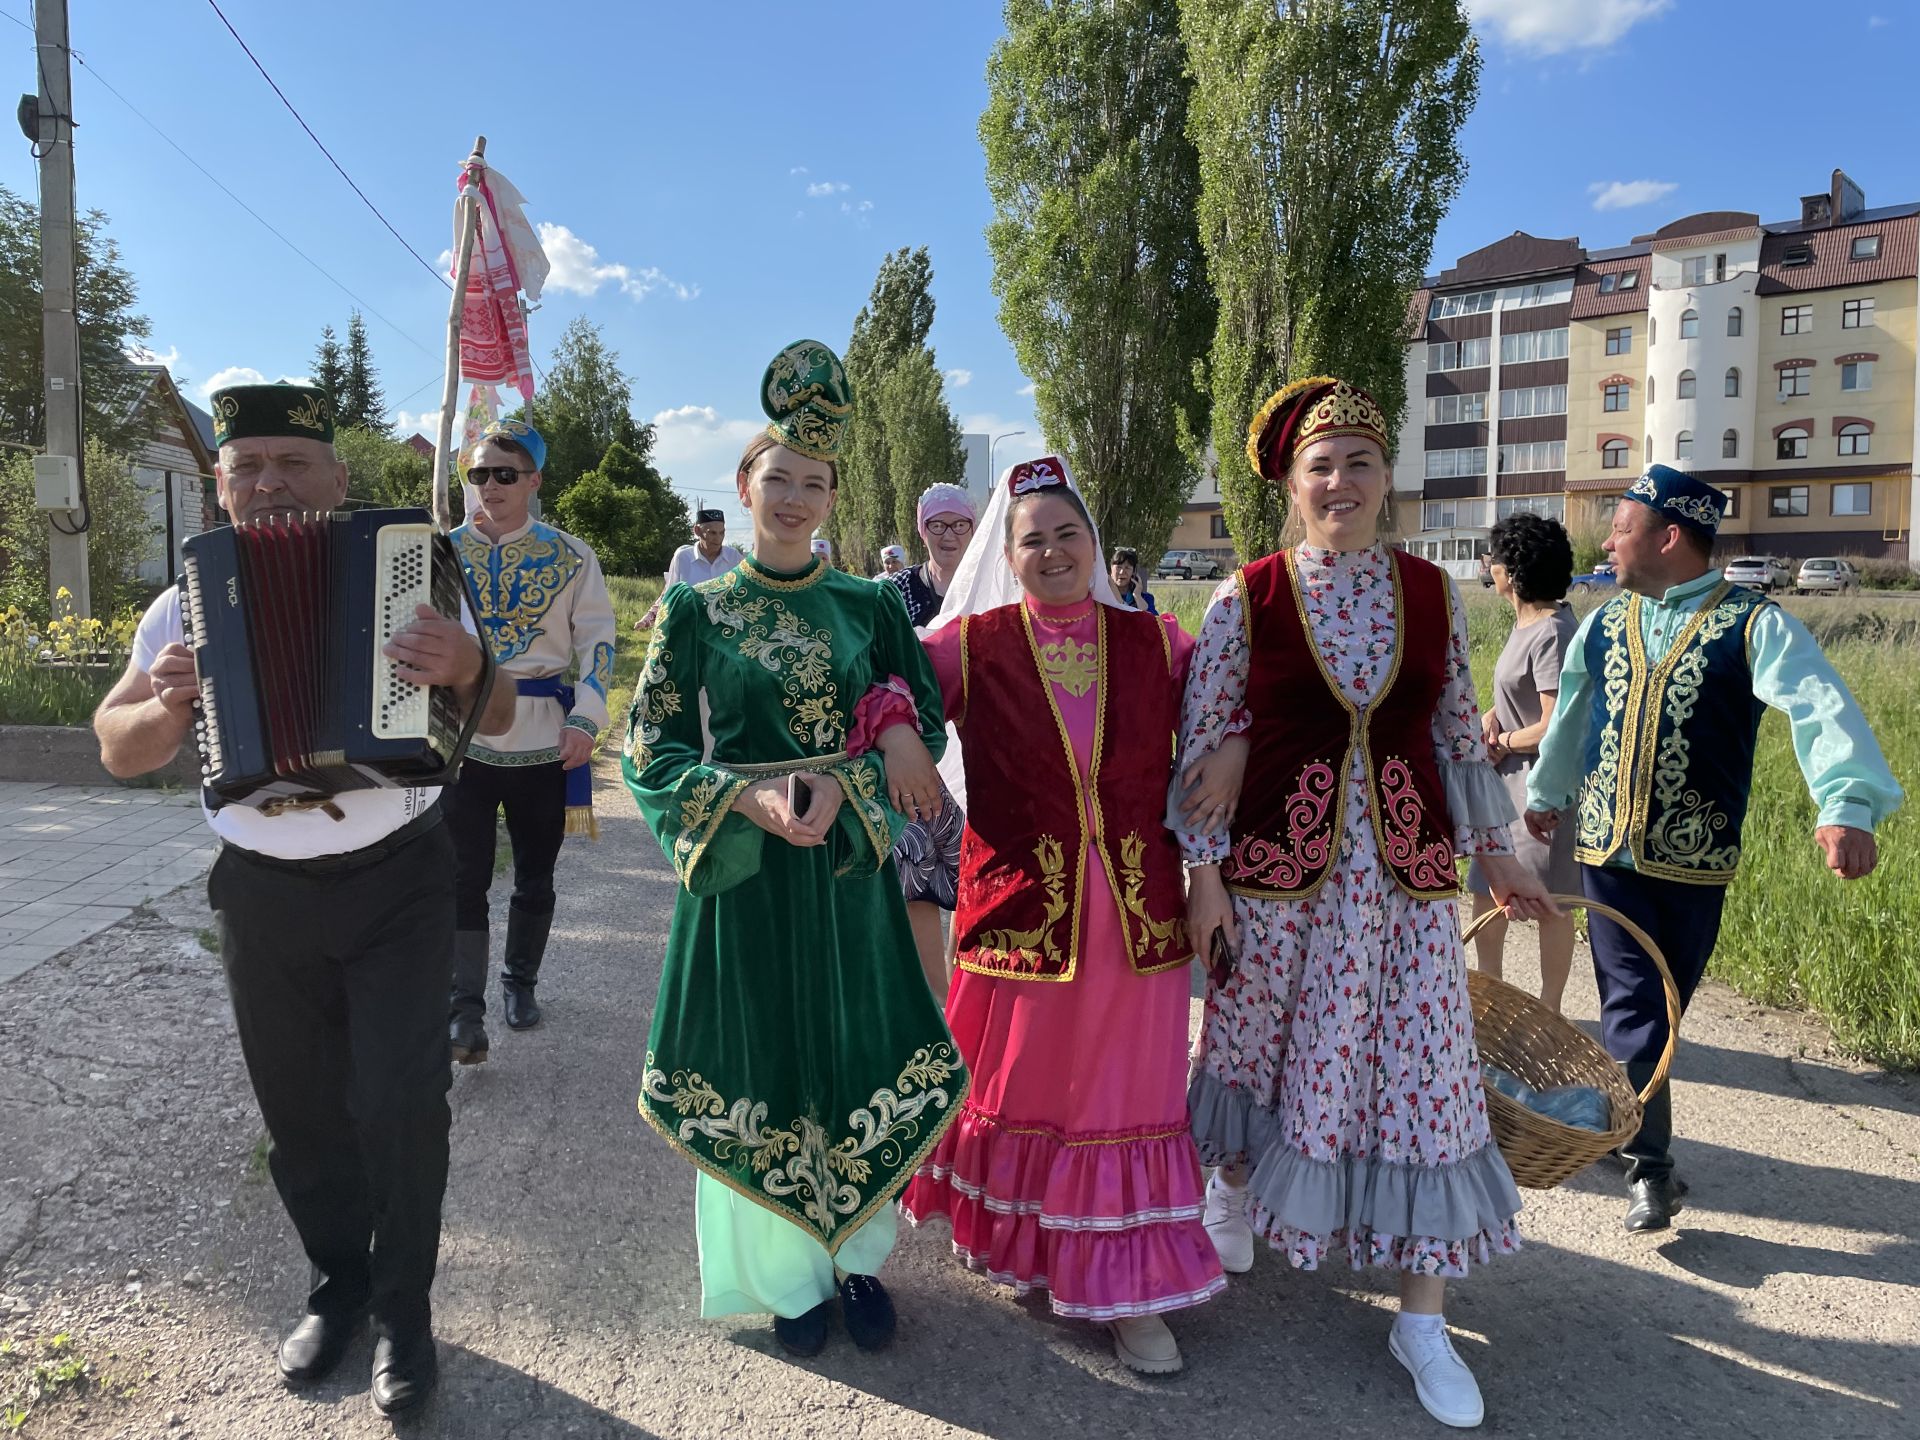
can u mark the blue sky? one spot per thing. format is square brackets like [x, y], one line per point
[727, 180]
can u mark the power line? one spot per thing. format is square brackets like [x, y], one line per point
[94, 71]
[424, 263]
[17, 20]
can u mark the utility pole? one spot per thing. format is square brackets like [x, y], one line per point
[59, 315]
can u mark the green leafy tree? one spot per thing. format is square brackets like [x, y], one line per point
[626, 511]
[119, 538]
[361, 403]
[1328, 140]
[877, 488]
[382, 470]
[109, 328]
[330, 368]
[585, 406]
[1096, 256]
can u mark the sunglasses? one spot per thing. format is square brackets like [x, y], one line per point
[949, 527]
[499, 474]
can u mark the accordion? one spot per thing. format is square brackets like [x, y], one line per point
[286, 618]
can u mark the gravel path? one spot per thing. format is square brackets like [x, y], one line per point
[136, 1218]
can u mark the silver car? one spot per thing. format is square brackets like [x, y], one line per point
[1828, 575]
[1765, 573]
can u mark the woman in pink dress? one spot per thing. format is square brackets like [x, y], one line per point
[1072, 1166]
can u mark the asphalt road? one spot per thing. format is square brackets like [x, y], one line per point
[133, 1218]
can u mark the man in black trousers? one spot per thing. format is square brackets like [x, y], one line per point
[336, 934]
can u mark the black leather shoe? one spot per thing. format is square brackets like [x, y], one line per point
[469, 1039]
[314, 1347]
[523, 1011]
[404, 1371]
[804, 1335]
[868, 1311]
[1655, 1203]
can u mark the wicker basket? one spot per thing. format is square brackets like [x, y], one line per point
[1527, 1040]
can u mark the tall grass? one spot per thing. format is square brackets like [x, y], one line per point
[56, 674]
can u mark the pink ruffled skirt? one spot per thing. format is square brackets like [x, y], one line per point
[1072, 1167]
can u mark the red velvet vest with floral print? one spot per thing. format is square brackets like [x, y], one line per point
[1305, 731]
[1027, 842]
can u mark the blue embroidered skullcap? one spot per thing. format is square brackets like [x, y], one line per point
[1679, 499]
[521, 434]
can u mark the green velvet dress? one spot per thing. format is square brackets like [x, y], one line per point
[797, 1057]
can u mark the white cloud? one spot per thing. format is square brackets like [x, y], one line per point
[958, 378]
[798, 170]
[445, 262]
[141, 355]
[425, 422]
[1027, 389]
[698, 447]
[243, 375]
[578, 268]
[1626, 194]
[827, 187]
[1552, 27]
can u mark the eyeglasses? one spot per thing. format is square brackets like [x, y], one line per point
[948, 527]
[499, 474]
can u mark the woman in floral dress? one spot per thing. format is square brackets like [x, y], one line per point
[1339, 1087]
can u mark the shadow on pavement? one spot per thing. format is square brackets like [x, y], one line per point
[1747, 1262]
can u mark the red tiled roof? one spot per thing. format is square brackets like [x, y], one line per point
[1712, 237]
[1588, 302]
[1832, 265]
[1417, 313]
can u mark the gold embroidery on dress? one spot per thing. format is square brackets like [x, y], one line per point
[1164, 936]
[800, 1161]
[1031, 949]
[654, 703]
[1071, 665]
[787, 646]
[516, 583]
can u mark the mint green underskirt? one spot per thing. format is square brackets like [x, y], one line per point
[752, 1261]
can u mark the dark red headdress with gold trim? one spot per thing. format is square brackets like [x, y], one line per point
[1308, 410]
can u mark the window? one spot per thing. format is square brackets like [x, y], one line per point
[1447, 306]
[1217, 528]
[1857, 314]
[1649, 449]
[1531, 458]
[1865, 247]
[1796, 380]
[1733, 321]
[1689, 324]
[1529, 295]
[1620, 342]
[1446, 464]
[1460, 354]
[1649, 390]
[1609, 283]
[1855, 440]
[1796, 320]
[1629, 279]
[1453, 409]
[1694, 271]
[1733, 503]
[1857, 375]
[1617, 397]
[1797, 255]
[1683, 445]
[1786, 501]
[1553, 507]
[1534, 400]
[1853, 499]
[1653, 331]
[1613, 455]
[1719, 268]
[1730, 445]
[1733, 380]
[1791, 445]
[1453, 514]
[1520, 346]
[1684, 390]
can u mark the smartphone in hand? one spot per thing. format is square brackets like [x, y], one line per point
[799, 796]
[1221, 959]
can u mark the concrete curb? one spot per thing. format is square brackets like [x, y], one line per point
[70, 755]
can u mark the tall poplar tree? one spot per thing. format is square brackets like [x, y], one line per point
[1097, 258]
[362, 404]
[1328, 139]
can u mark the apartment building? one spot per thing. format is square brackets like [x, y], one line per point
[1775, 360]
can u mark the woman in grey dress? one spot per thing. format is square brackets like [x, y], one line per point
[1532, 566]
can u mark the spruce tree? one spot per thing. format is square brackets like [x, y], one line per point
[361, 404]
[330, 368]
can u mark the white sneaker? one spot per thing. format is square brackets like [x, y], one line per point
[1144, 1343]
[1440, 1377]
[1225, 1217]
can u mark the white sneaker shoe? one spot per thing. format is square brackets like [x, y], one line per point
[1440, 1377]
[1145, 1344]
[1225, 1217]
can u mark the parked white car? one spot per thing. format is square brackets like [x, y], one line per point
[1765, 573]
[1828, 575]
[1187, 565]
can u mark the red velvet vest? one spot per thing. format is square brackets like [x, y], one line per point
[1027, 842]
[1293, 801]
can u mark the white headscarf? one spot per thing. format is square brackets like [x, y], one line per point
[984, 580]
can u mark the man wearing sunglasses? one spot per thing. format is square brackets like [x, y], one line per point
[709, 555]
[543, 606]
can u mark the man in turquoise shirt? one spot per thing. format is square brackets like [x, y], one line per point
[1656, 762]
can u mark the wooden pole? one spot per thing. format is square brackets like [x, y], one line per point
[469, 204]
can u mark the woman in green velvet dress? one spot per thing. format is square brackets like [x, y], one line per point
[797, 1057]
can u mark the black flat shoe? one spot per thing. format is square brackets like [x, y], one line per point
[469, 1040]
[315, 1346]
[404, 1371]
[804, 1335]
[523, 1011]
[1655, 1203]
[868, 1311]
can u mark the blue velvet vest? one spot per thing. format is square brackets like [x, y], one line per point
[1670, 757]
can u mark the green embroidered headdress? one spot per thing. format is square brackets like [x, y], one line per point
[301, 411]
[806, 395]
